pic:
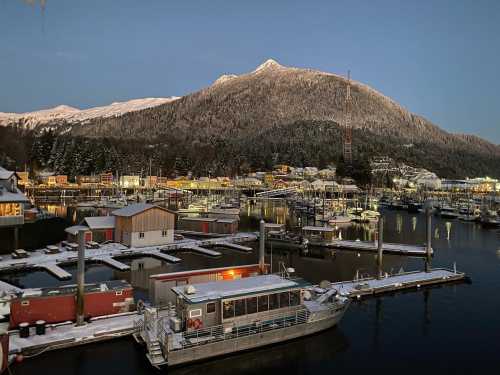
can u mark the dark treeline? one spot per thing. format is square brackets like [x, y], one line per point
[304, 143]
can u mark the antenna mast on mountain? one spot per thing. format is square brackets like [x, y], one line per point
[347, 122]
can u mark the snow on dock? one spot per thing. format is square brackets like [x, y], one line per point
[202, 250]
[58, 336]
[55, 270]
[396, 282]
[388, 248]
[107, 254]
[234, 246]
[115, 264]
[7, 289]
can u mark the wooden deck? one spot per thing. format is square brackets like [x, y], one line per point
[387, 248]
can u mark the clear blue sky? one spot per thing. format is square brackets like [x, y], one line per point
[438, 58]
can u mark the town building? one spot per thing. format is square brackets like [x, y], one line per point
[128, 182]
[12, 200]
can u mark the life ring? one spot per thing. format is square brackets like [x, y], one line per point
[197, 324]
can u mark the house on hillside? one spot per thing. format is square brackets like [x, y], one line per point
[143, 224]
[12, 200]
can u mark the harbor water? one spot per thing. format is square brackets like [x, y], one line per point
[448, 329]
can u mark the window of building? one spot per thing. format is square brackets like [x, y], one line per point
[239, 307]
[210, 308]
[164, 233]
[263, 303]
[25, 303]
[274, 301]
[284, 299]
[119, 292]
[294, 297]
[140, 266]
[251, 305]
[141, 234]
[194, 313]
[228, 309]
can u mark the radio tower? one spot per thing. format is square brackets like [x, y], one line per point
[347, 122]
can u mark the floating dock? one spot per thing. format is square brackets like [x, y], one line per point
[108, 253]
[387, 248]
[401, 281]
[65, 335]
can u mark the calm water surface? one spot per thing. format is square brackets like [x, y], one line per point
[448, 329]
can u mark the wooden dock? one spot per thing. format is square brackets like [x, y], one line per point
[401, 281]
[203, 251]
[388, 248]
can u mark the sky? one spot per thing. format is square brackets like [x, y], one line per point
[438, 58]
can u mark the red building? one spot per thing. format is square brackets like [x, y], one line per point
[55, 305]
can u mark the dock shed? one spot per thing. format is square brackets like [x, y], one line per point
[102, 227]
[208, 225]
[143, 224]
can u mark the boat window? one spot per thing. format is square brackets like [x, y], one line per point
[251, 305]
[284, 299]
[194, 313]
[294, 297]
[263, 303]
[228, 309]
[210, 307]
[274, 301]
[239, 307]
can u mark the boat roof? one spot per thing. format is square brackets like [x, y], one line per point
[318, 229]
[214, 290]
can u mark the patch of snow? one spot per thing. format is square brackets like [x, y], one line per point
[268, 64]
[224, 78]
[72, 115]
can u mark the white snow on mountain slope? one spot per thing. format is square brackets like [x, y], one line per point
[72, 115]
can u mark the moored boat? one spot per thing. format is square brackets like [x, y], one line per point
[223, 317]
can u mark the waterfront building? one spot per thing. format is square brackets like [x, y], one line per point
[88, 180]
[106, 179]
[130, 181]
[12, 200]
[23, 179]
[142, 224]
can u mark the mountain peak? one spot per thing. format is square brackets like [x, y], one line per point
[268, 64]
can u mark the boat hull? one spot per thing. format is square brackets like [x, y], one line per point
[202, 352]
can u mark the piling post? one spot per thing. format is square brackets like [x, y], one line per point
[80, 279]
[16, 237]
[380, 244]
[262, 242]
[428, 246]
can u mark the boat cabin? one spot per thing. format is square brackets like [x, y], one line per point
[235, 302]
[318, 233]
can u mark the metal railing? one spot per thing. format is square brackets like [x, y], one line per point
[220, 333]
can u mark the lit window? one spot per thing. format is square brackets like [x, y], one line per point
[141, 234]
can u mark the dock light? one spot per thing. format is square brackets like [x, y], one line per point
[231, 273]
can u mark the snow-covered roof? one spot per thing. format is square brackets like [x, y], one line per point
[232, 288]
[317, 229]
[100, 222]
[5, 174]
[134, 209]
[73, 230]
[14, 197]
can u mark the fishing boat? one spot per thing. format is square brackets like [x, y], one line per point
[281, 239]
[224, 317]
[448, 212]
[468, 214]
[490, 219]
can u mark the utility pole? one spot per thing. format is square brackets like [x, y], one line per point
[80, 280]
